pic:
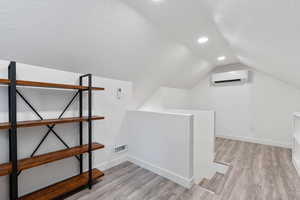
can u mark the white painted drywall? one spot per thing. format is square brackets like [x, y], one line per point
[50, 102]
[259, 111]
[161, 142]
[203, 143]
[167, 98]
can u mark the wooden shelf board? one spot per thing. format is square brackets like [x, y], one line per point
[4, 81]
[62, 188]
[31, 123]
[49, 85]
[35, 161]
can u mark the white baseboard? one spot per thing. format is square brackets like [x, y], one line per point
[296, 165]
[111, 163]
[255, 140]
[185, 182]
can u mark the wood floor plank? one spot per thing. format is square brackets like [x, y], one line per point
[132, 185]
[215, 183]
[256, 172]
[164, 192]
[205, 184]
[111, 175]
[104, 186]
[149, 189]
[121, 187]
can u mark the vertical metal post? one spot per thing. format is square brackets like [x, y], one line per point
[90, 130]
[80, 126]
[13, 156]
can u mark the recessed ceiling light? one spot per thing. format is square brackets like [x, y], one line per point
[157, 1]
[202, 40]
[221, 58]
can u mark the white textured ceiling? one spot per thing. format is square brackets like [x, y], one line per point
[153, 44]
[185, 22]
[107, 38]
[263, 34]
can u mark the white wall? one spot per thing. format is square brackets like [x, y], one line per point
[161, 142]
[259, 111]
[50, 102]
[203, 143]
[167, 98]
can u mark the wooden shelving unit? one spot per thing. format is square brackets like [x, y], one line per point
[48, 85]
[14, 167]
[63, 187]
[32, 123]
[35, 161]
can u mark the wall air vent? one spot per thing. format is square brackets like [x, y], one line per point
[121, 148]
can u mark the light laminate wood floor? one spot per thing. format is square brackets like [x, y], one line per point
[258, 172]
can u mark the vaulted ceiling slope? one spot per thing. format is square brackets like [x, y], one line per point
[263, 34]
[152, 44]
[108, 38]
[185, 22]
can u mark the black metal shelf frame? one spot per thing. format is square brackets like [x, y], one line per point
[13, 156]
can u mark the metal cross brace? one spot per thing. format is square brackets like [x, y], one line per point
[49, 127]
